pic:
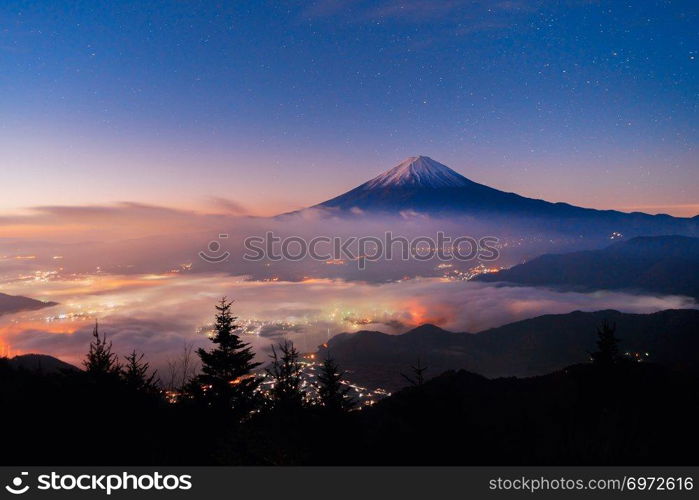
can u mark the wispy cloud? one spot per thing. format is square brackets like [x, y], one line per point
[118, 220]
[473, 12]
[227, 206]
[451, 18]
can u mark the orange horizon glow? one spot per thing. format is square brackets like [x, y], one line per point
[192, 220]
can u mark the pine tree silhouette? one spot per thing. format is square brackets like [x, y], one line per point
[101, 363]
[418, 377]
[333, 393]
[227, 381]
[285, 370]
[137, 375]
[607, 353]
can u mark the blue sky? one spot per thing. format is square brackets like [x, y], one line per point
[276, 105]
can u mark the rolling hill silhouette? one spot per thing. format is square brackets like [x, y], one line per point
[524, 348]
[16, 303]
[663, 264]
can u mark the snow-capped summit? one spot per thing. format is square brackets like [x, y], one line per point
[418, 183]
[418, 171]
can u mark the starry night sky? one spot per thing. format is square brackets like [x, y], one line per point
[281, 104]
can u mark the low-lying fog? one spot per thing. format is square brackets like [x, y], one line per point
[138, 270]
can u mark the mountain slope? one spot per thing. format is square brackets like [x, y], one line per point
[15, 303]
[41, 363]
[662, 264]
[574, 416]
[523, 348]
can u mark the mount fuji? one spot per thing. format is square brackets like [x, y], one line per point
[422, 184]
[425, 186]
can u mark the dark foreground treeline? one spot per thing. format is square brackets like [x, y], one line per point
[610, 411]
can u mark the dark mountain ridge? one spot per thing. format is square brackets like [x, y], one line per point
[660, 264]
[41, 363]
[575, 416]
[15, 303]
[524, 348]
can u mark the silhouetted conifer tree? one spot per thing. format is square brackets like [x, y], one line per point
[137, 375]
[101, 363]
[607, 353]
[285, 371]
[227, 381]
[418, 377]
[333, 393]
